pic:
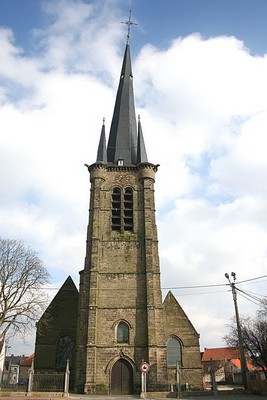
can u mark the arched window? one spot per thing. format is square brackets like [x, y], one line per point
[174, 352]
[65, 348]
[116, 209]
[122, 333]
[128, 209]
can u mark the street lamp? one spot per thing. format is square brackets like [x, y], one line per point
[239, 331]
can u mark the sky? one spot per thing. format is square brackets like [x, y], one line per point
[200, 86]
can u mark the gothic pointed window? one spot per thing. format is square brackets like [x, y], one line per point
[122, 332]
[64, 351]
[174, 352]
[116, 209]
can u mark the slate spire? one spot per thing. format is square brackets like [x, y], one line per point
[125, 146]
[122, 143]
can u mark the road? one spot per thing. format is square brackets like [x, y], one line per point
[231, 396]
[219, 396]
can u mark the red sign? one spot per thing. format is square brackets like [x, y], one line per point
[144, 367]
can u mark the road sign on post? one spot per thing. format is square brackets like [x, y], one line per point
[144, 367]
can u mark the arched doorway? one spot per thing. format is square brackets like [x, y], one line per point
[122, 377]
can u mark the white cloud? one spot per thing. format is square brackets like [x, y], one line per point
[203, 111]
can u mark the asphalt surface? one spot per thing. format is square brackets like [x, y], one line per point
[209, 397]
[228, 396]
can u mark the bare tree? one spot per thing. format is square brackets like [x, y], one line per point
[22, 298]
[262, 312]
[254, 335]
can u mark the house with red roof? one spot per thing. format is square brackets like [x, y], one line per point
[24, 368]
[16, 370]
[217, 357]
[233, 370]
[225, 362]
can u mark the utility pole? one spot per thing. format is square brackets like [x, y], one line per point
[239, 331]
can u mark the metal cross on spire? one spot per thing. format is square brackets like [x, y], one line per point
[129, 23]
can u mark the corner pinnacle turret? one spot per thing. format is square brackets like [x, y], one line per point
[102, 148]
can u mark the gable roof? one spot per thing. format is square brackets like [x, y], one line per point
[220, 353]
[67, 290]
[237, 364]
[172, 305]
[68, 287]
[27, 361]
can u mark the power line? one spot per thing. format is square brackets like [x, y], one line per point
[250, 299]
[194, 287]
[249, 296]
[252, 279]
[255, 294]
[253, 298]
[200, 293]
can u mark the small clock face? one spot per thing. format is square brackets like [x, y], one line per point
[122, 179]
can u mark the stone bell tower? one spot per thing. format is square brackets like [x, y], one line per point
[120, 312]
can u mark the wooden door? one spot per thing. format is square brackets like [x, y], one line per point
[122, 378]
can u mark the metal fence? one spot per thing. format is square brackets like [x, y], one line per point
[48, 382]
[38, 382]
[8, 387]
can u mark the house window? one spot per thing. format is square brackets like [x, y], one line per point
[122, 333]
[174, 352]
[122, 209]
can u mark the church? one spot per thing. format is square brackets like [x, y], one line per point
[117, 321]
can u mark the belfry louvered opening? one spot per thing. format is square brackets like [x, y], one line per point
[122, 209]
[128, 209]
[116, 209]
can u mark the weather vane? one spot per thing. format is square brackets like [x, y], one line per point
[129, 23]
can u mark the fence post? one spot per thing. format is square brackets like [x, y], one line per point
[67, 380]
[30, 380]
[213, 378]
[178, 379]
